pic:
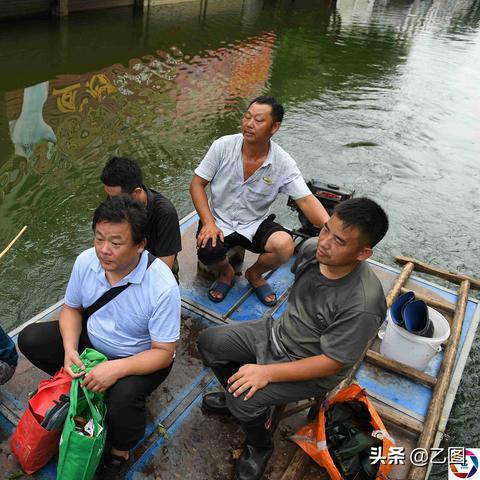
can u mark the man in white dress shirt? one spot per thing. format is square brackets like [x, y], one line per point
[246, 172]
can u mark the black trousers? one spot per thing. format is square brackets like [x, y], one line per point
[42, 345]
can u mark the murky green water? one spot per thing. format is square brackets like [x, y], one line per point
[380, 96]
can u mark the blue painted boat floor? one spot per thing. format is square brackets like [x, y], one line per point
[241, 305]
[181, 442]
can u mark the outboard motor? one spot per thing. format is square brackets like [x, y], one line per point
[329, 195]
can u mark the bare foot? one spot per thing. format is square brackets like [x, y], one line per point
[225, 276]
[256, 281]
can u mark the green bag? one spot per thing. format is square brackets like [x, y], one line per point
[80, 454]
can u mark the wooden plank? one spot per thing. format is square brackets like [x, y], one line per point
[440, 391]
[9, 410]
[433, 302]
[303, 406]
[388, 414]
[438, 272]
[277, 416]
[389, 364]
[399, 283]
[297, 466]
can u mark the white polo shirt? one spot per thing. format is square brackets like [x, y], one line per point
[148, 310]
[241, 206]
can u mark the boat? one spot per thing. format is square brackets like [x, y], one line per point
[181, 442]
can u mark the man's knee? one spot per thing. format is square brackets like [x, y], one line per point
[206, 344]
[27, 340]
[281, 244]
[210, 255]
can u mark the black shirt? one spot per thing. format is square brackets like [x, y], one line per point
[163, 229]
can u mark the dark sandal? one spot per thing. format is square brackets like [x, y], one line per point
[220, 287]
[264, 291]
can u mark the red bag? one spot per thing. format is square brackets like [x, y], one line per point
[31, 443]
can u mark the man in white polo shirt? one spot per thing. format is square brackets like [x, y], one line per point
[246, 172]
[137, 329]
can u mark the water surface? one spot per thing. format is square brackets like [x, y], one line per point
[381, 96]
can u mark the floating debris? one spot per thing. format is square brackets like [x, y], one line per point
[361, 144]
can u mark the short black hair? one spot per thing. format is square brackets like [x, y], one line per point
[366, 215]
[277, 108]
[123, 209]
[122, 172]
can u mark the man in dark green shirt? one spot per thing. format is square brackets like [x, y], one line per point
[335, 307]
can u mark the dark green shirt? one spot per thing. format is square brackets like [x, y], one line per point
[332, 317]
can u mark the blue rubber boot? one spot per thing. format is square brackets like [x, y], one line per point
[417, 320]
[397, 307]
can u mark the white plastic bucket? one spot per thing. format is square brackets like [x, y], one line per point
[411, 349]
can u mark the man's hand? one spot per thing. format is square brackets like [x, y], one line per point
[209, 231]
[249, 377]
[101, 377]
[72, 356]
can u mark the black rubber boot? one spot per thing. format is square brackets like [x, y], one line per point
[215, 402]
[257, 450]
[224, 372]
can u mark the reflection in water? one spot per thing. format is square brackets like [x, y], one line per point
[97, 115]
[162, 108]
[30, 130]
[165, 106]
[380, 95]
[6, 145]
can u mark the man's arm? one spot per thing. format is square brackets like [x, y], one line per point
[167, 240]
[105, 374]
[313, 210]
[200, 201]
[168, 261]
[70, 324]
[254, 377]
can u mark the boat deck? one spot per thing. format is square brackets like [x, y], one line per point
[183, 443]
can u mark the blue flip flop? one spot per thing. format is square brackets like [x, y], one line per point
[263, 291]
[220, 287]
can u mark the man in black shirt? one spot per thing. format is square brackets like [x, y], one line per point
[123, 176]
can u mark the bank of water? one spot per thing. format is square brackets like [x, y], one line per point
[381, 96]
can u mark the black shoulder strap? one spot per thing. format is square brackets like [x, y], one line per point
[110, 294]
[151, 258]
